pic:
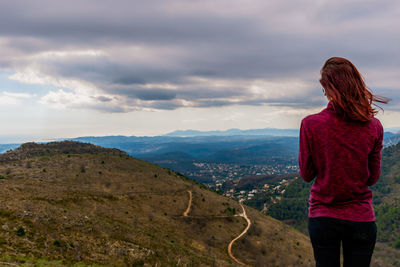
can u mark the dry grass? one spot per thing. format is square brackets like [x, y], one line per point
[111, 209]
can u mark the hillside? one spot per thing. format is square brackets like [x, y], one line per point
[74, 203]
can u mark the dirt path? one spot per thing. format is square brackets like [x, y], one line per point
[8, 264]
[189, 204]
[243, 214]
[239, 236]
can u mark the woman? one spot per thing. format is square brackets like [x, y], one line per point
[341, 148]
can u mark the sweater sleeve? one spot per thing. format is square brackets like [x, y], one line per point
[374, 159]
[306, 165]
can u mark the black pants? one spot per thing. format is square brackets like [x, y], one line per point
[358, 240]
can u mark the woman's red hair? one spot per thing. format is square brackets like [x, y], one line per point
[345, 87]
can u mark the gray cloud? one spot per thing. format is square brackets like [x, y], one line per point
[149, 94]
[171, 54]
[103, 99]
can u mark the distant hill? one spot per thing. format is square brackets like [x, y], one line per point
[71, 203]
[391, 139]
[232, 132]
[30, 150]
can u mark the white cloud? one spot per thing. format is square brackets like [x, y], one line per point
[62, 99]
[18, 95]
[7, 98]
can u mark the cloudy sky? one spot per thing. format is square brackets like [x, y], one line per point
[74, 68]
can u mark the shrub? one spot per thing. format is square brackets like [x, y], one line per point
[396, 244]
[20, 231]
[230, 211]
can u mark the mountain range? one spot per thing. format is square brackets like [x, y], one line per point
[234, 131]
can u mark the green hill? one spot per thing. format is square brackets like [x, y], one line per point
[387, 204]
[80, 204]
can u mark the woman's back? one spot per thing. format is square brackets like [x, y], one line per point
[344, 156]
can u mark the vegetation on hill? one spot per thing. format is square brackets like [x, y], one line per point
[387, 198]
[74, 203]
[293, 206]
[29, 150]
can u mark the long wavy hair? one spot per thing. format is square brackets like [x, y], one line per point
[345, 87]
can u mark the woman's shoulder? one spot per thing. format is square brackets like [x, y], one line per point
[375, 122]
[318, 118]
[323, 115]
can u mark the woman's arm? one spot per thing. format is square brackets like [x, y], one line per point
[306, 165]
[374, 159]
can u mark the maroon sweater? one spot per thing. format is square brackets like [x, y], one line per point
[344, 157]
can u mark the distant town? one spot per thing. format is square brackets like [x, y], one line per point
[225, 179]
[219, 173]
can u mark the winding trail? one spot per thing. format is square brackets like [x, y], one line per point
[243, 214]
[239, 236]
[185, 214]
